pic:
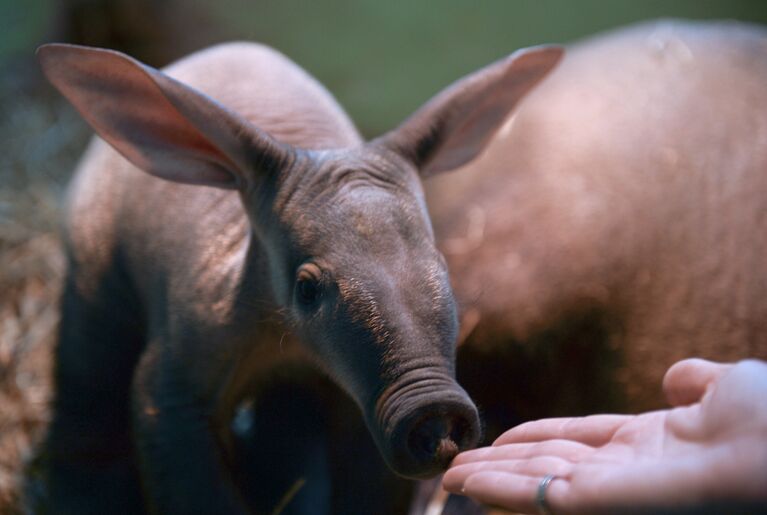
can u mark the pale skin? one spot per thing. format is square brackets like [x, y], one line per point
[710, 447]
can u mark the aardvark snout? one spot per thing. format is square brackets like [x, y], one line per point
[427, 426]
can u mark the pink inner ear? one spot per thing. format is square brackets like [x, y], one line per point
[190, 171]
[126, 105]
[165, 144]
[456, 125]
[466, 142]
[469, 138]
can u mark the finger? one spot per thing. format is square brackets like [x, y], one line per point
[735, 395]
[563, 449]
[594, 430]
[686, 381]
[455, 477]
[685, 422]
[512, 491]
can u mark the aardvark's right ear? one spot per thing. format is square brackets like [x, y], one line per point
[161, 125]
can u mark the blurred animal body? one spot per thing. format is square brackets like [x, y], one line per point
[617, 224]
[262, 213]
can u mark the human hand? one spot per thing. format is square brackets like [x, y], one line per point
[711, 448]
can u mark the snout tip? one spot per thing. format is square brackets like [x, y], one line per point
[437, 439]
[426, 443]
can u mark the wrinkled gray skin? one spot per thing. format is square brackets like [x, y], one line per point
[617, 224]
[261, 213]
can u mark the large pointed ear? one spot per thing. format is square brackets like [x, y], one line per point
[455, 126]
[161, 125]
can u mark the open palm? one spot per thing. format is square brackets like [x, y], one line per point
[711, 447]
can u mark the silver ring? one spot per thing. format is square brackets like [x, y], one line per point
[540, 496]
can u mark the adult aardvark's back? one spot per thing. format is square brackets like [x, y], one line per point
[616, 225]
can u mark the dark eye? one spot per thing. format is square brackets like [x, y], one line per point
[308, 284]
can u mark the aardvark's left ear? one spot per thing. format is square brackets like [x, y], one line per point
[455, 126]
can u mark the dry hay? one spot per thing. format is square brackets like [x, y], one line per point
[41, 139]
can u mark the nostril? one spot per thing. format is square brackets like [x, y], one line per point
[426, 436]
[446, 451]
[438, 439]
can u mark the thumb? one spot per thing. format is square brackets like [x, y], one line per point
[686, 381]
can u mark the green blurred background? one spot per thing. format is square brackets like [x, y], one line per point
[380, 58]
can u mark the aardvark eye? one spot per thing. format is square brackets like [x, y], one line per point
[308, 284]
